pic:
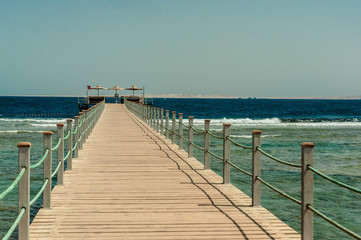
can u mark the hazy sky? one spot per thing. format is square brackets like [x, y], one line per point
[262, 48]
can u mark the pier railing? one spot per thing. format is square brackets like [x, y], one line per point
[75, 137]
[159, 120]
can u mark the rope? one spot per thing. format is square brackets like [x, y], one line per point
[74, 146]
[67, 155]
[334, 180]
[186, 126]
[39, 193]
[41, 160]
[15, 224]
[237, 144]
[16, 181]
[277, 160]
[75, 130]
[339, 226]
[214, 155]
[56, 169]
[213, 135]
[198, 131]
[57, 145]
[67, 136]
[240, 169]
[196, 146]
[184, 139]
[278, 191]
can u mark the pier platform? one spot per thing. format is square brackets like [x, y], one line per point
[129, 182]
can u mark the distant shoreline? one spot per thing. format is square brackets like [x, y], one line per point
[203, 97]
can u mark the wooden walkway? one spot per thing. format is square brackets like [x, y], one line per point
[131, 183]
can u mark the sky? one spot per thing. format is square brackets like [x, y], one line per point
[244, 48]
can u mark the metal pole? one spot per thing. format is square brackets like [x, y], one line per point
[256, 168]
[307, 191]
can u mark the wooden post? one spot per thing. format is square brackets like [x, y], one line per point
[148, 115]
[60, 174]
[190, 137]
[69, 144]
[24, 190]
[173, 126]
[206, 143]
[81, 117]
[256, 168]
[307, 191]
[226, 153]
[161, 121]
[86, 114]
[166, 124]
[151, 117]
[76, 137]
[180, 131]
[47, 169]
[158, 119]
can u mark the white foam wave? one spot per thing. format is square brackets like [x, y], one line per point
[20, 131]
[34, 120]
[250, 136]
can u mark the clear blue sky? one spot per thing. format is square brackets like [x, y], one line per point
[243, 48]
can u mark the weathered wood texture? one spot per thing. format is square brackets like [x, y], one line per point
[131, 183]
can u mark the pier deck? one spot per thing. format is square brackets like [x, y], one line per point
[131, 183]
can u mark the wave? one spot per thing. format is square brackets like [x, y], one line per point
[20, 131]
[250, 136]
[282, 122]
[34, 120]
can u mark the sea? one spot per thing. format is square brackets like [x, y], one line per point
[334, 126]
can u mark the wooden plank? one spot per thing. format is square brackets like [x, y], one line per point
[130, 183]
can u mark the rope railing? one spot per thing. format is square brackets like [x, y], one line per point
[67, 136]
[238, 144]
[13, 184]
[81, 131]
[214, 135]
[334, 180]
[278, 191]
[339, 226]
[39, 192]
[149, 115]
[276, 159]
[57, 145]
[41, 160]
[15, 224]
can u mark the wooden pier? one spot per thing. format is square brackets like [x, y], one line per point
[129, 182]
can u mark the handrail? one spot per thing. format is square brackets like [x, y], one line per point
[240, 169]
[214, 155]
[56, 169]
[57, 145]
[74, 146]
[41, 160]
[213, 135]
[67, 136]
[334, 180]
[13, 184]
[196, 146]
[15, 224]
[198, 131]
[339, 226]
[75, 130]
[238, 144]
[185, 139]
[67, 155]
[39, 193]
[276, 159]
[278, 191]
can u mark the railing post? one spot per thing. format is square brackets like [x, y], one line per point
[47, 169]
[81, 117]
[161, 121]
[307, 191]
[69, 144]
[206, 143]
[24, 190]
[180, 131]
[151, 117]
[158, 119]
[148, 115]
[173, 126]
[226, 153]
[60, 174]
[166, 124]
[190, 136]
[86, 124]
[256, 168]
[76, 137]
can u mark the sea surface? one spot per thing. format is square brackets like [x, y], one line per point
[333, 125]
